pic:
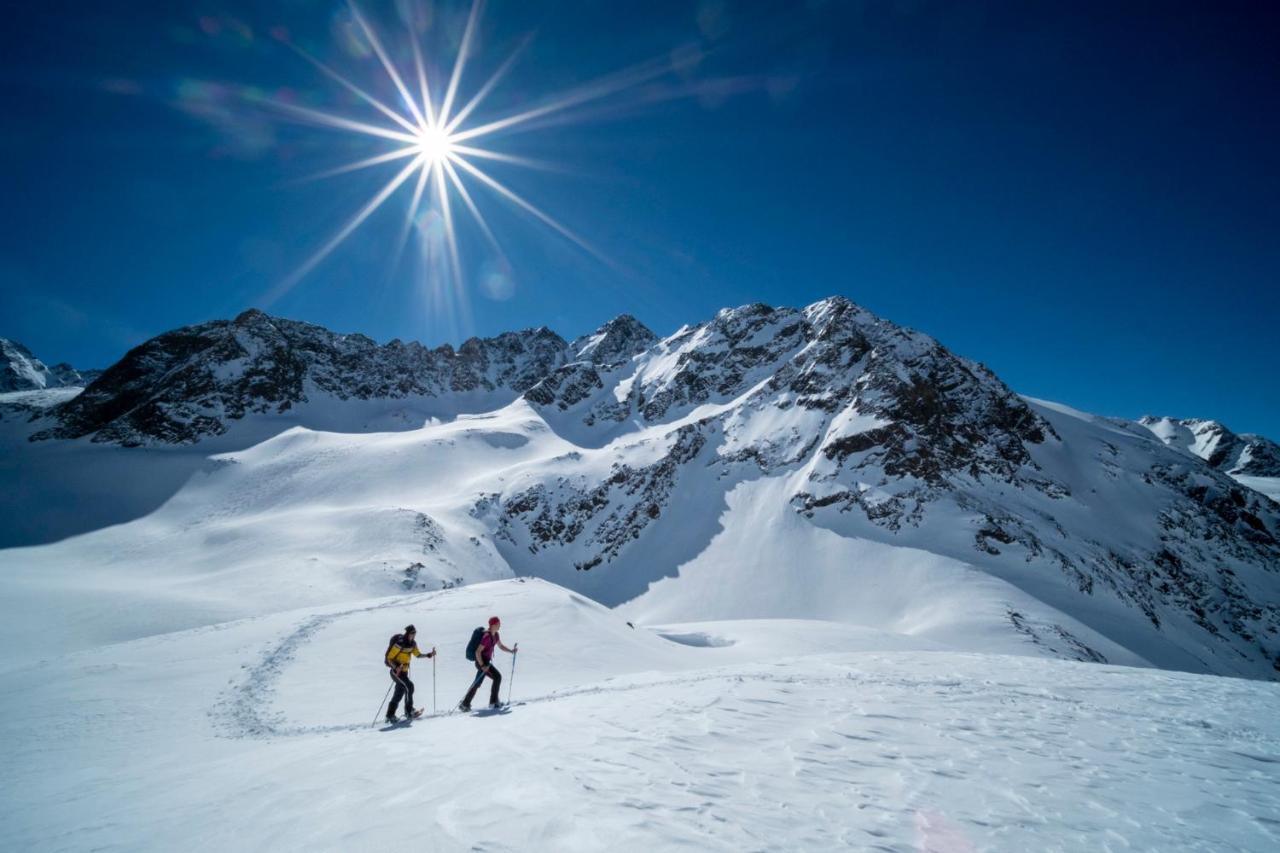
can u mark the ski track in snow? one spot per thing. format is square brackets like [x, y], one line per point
[245, 710]
[641, 744]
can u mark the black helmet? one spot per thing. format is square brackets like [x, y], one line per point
[409, 629]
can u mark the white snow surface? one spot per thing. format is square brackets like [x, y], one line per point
[1269, 486]
[308, 518]
[203, 676]
[735, 735]
[190, 636]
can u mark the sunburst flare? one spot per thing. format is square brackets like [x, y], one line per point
[441, 147]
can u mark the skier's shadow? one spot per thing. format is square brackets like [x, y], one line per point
[491, 712]
[395, 727]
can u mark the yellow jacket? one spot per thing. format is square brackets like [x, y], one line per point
[400, 655]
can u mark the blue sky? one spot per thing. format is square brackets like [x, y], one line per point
[1086, 196]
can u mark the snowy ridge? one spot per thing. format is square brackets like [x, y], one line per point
[1245, 455]
[20, 370]
[195, 382]
[768, 463]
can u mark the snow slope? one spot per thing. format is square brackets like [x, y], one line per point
[256, 735]
[307, 517]
[1269, 486]
[816, 463]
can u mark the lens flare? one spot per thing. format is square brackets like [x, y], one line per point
[431, 135]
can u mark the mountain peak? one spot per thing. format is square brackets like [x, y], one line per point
[819, 422]
[250, 316]
[615, 342]
[20, 370]
[1236, 454]
[197, 381]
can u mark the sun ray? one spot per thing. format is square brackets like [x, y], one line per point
[529, 208]
[387, 64]
[460, 295]
[485, 154]
[592, 91]
[484, 90]
[465, 195]
[330, 120]
[447, 214]
[352, 224]
[403, 239]
[427, 108]
[389, 156]
[460, 62]
[354, 89]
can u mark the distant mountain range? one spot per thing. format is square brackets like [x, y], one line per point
[1244, 455]
[819, 462]
[20, 370]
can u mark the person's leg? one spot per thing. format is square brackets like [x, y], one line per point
[475, 685]
[408, 694]
[395, 697]
[497, 682]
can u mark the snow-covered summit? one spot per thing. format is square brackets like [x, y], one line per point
[1243, 454]
[20, 370]
[616, 341]
[770, 462]
[195, 382]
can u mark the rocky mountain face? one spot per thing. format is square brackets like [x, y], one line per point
[1245, 455]
[872, 430]
[195, 382]
[20, 370]
[882, 432]
[880, 418]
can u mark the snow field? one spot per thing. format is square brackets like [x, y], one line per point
[739, 735]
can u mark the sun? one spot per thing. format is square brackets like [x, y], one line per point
[434, 145]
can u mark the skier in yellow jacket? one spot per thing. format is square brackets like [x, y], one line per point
[402, 649]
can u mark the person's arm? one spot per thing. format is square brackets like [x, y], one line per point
[391, 659]
[418, 653]
[505, 649]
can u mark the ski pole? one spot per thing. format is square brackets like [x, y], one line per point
[380, 706]
[512, 683]
[433, 680]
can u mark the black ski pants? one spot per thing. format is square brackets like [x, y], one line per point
[475, 685]
[404, 689]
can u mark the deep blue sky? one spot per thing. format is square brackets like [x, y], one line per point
[1084, 196]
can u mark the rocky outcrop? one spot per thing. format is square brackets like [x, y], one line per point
[195, 382]
[614, 343]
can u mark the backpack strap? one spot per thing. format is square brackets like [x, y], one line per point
[396, 640]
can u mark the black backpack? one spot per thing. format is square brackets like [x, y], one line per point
[396, 640]
[474, 643]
